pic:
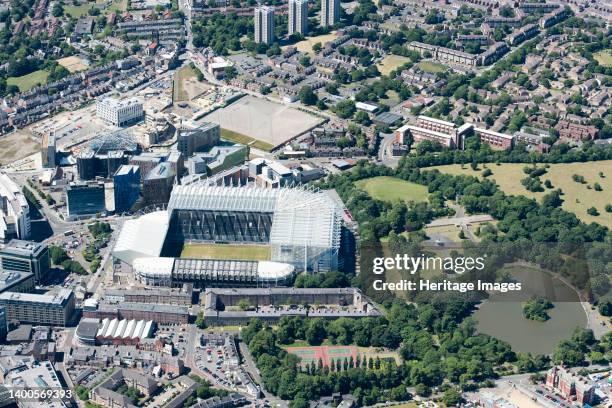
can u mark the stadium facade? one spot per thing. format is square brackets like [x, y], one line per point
[302, 227]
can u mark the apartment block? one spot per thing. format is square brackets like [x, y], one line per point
[330, 12]
[52, 309]
[570, 385]
[298, 17]
[498, 141]
[264, 24]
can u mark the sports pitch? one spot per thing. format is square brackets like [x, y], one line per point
[389, 189]
[330, 354]
[269, 122]
[226, 251]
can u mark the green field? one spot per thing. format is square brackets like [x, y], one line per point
[391, 62]
[246, 140]
[433, 67]
[83, 8]
[577, 197]
[387, 188]
[226, 251]
[604, 58]
[28, 81]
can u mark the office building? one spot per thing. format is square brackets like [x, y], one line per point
[91, 165]
[264, 24]
[146, 162]
[158, 184]
[330, 12]
[26, 257]
[126, 184]
[218, 159]
[15, 211]
[192, 138]
[84, 200]
[298, 17]
[270, 173]
[120, 112]
[52, 309]
[3, 324]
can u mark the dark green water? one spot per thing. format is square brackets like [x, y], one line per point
[504, 319]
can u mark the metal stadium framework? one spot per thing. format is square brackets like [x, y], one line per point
[302, 225]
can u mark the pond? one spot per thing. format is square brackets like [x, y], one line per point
[502, 317]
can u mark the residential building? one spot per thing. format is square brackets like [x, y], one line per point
[330, 12]
[53, 309]
[570, 385]
[26, 257]
[84, 200]
[126, 185]
[298, 17]
[192, 138]
[120, 112]
[159, 313]
[105, 393]
[575, 131]
[264, 24]
[158, 184]
[15, 211]
[496, 140]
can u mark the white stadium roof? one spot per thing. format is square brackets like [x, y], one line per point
[142, 237]
[268, 270]
[301, 216]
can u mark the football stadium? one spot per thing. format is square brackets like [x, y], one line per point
[299, 228]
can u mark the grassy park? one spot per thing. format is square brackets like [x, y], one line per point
[226, 251]
[391, 62]
[387, 188]
[578, 197]
[433, 67]
[30, 80]
[604, 58]
[306, 45]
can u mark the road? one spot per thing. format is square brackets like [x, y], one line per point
[385, 152]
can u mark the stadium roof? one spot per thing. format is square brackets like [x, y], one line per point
[142, 237]
[301, 216]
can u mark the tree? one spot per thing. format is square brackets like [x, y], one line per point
[344, 109]
[592, 211]
[58, 255]
[452, 397]
[315, 332]
[231, 72]
[199, 322]
[363, 118]
[316, 47]
[307, 96]
[244, 304]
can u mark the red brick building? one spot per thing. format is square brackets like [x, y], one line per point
[577, 132]
[570, 386]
